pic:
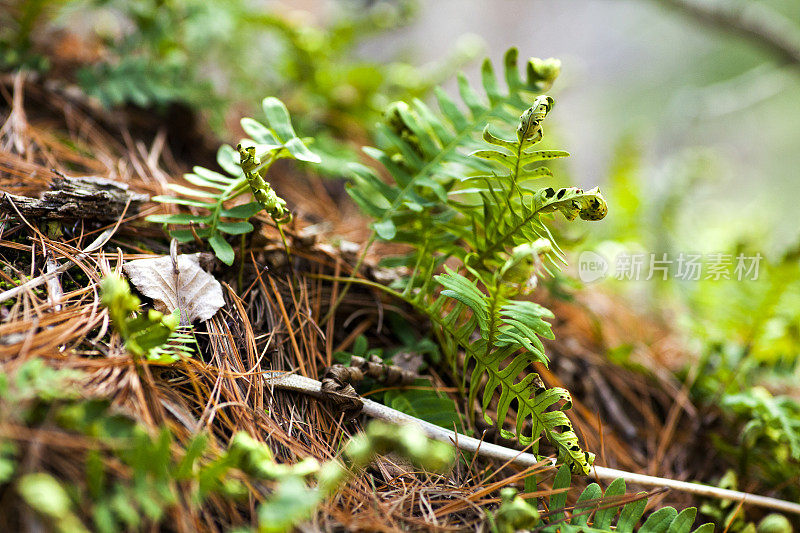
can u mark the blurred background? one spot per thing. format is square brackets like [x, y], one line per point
[653, 78]
[707, 94]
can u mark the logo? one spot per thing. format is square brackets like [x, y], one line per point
[592, 266]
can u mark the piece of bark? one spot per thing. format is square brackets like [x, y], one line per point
[69, 198]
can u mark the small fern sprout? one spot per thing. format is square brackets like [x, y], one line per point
[213, 192]
[273, 204]
[530, 123]
[524, 265]
[380, 438]
[142, 331]
[546, 70]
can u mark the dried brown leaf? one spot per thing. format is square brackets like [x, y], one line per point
[189, 288]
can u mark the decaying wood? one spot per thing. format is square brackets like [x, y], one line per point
[70, 198]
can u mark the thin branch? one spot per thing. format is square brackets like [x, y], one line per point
[753, 21]
[285, 381]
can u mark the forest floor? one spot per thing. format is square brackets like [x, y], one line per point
[636, 417]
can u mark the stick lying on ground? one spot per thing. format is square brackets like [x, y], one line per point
[312, 387]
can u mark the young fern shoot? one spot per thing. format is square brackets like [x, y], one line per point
[504, 208]
[245, 168]
[274, 205]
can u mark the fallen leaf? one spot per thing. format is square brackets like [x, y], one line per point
[191, 289]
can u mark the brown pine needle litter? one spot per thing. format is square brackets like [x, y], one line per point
[273, 322]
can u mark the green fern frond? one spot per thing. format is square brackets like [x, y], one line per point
[179, 345]
[502, 244]
[424, 151]
[508, 343]
[271, 141]
[503, 209]
[484, 211]
[274, 205]
[215, 192]
[141, 331]
[594, 512]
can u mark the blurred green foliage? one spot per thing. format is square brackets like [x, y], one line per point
[735, 518]
[130, 477]
[516, 514]
[19, 21]
[747, 332]
[141, 331]
[208, 53]
[213, 55]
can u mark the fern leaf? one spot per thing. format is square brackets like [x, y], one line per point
[427, 143]
[558, 500]
[278, 134]
[590, 494]
[505, 328]
[684, 521]
[630, 515]
[604, 517]
[592, 501]
[178, 346]
[659, 521]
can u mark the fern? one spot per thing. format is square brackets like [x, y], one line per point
[276, 140]
[144, 82]
[142, 332]
[179, 345]
[594, 512]
[425, 153]
[508, 343]
[483, 210]
[511, 208]
[502, 247]
[773, 419]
